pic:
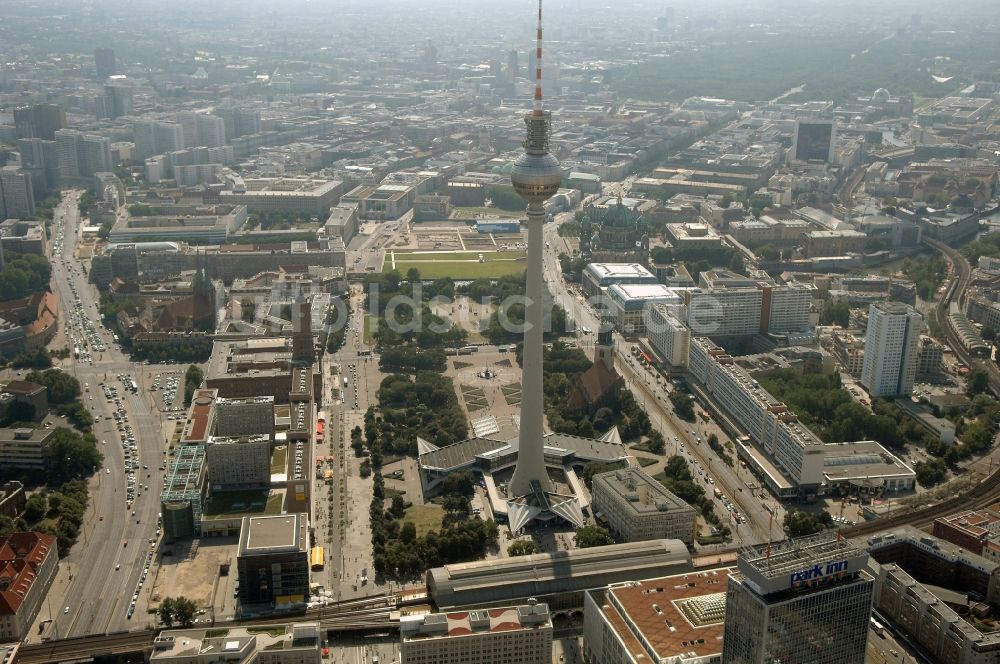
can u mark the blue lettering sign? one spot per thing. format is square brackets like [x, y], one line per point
[818, 573]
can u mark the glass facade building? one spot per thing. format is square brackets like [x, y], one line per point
[805, 601]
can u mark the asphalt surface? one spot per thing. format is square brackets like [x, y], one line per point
[98, 596]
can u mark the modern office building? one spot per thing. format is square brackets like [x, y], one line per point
[814, 140]
[23, 447]
[116, 101]
[153, 137]
[296, 643]
[201, 129]
[304, 195]
[156, 260]
[41, 160]
[82, 155]
[105, 63]
[508, 635]
[637, 507]
[676, 619]
[724, 311]
[183, 497]
[39, 121]
[668, 335]
[629, 305]
[17, 196]
[785, 308]
[597, 276]
[891, 349]
[238, 462]
[383, 202]
[803, 601]
[243, 417]
[163, 228]
[273, 559]
[28, 564]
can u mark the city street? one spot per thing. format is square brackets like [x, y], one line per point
[652, 394]
[97, 580]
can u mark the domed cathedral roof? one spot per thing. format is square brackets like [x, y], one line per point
[621, 216]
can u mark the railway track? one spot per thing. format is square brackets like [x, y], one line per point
[985, 492]
[365, 614]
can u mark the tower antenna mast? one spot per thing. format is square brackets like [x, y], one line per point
[537, 110]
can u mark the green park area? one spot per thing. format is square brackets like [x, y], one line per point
[459, 264]
[425, 518]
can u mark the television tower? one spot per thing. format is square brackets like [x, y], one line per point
[536, 177]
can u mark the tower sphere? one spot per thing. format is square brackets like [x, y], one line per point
[536, 177]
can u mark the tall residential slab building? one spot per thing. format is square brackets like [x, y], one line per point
[153, 137]
[891, 349]
[17, 197]
[804, 601]
[82, 155]
[201, 129]
[39, 121]
[105, 62]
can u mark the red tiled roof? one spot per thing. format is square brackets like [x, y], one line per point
[20, 556]
[21, 387]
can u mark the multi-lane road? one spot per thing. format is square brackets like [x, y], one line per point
[105, 570]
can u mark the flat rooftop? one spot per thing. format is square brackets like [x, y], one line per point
[273, 534]
[234, 644]
[478, 621]
[861, 460]
[626, 292]
[619, 270]
[644, 494]
[674, 615]
[200, 416]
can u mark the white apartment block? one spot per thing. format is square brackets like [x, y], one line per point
[724, 311]
[509, 635]
[192, 176]
[239, 462]
[17, 197]
[785, 308]
[891, 349]
[796, 449]
[638, 508]
[670, 337]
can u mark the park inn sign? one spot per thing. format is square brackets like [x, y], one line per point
[818, 574]
[771, 574]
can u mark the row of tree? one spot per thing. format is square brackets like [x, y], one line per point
[23, 275]
[423, 405]
[397, 550]
[57, 511]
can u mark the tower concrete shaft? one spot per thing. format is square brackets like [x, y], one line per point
[530, 453]
[536, 177]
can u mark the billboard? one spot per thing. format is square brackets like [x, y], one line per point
[814, 140]
[781, 573]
